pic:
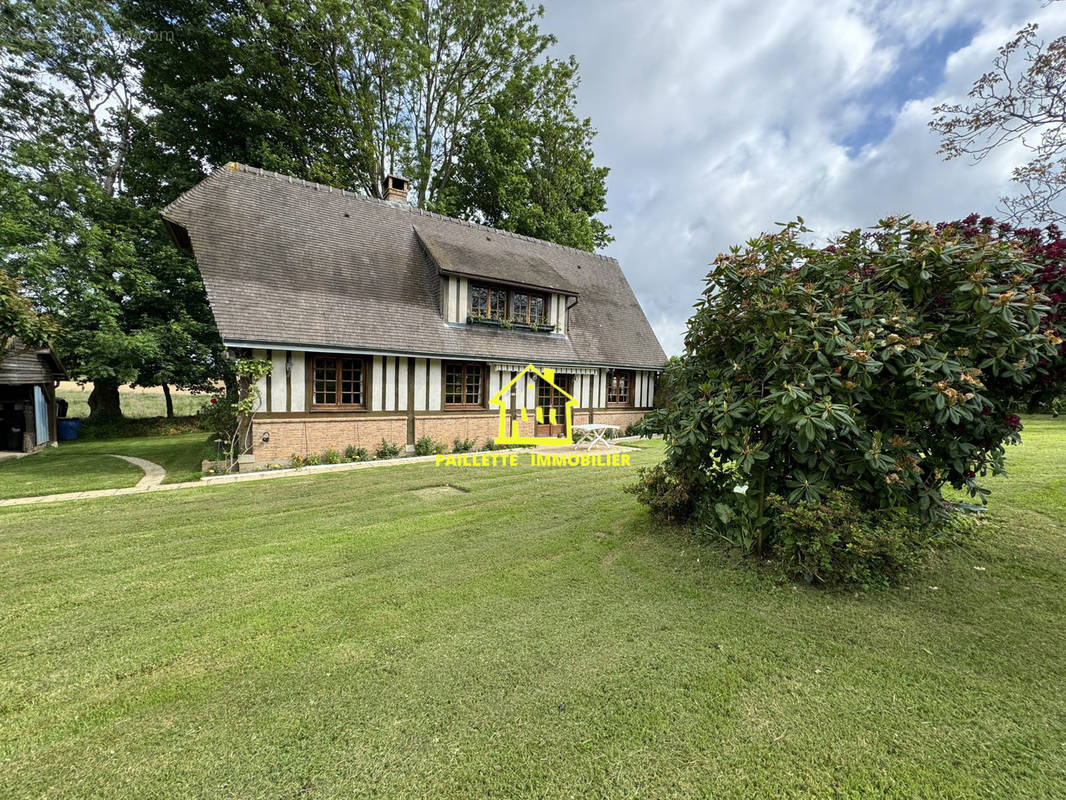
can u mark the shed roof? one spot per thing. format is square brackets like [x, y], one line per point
[25, 363]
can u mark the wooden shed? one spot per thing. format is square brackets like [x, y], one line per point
[28, 377]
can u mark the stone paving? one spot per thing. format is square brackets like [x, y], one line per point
[153, 473]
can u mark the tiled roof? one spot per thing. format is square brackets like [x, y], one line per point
[286, 261]
[456, 252]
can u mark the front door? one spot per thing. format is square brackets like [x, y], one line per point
[550, 398]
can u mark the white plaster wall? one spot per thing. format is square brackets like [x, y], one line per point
[420, 384]
[497, 380]
[464, 300]
[279, 382]
[434, 384]
[389, 384]
[299, 380]
[378, 380]
[401, 378]
[529, 387]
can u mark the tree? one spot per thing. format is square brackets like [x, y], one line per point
[528, 164]
[18, 319]
[881, 367]
[96, 262]
[1017, 103]
[347, 92]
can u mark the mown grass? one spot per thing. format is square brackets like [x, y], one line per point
[534, 634]
[134, 405]
[53, 471]
[85, 464]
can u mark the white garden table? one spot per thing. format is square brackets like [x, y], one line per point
[594, 431]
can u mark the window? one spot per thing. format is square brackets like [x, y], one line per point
[463, 385]
[488, 301]
[619, 387]
[495, 302]
[338, 382]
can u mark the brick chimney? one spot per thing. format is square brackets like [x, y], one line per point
[396, 189]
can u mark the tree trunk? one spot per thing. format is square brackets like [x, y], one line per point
[170, 401]
[103, 400]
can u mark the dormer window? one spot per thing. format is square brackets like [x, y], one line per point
[488, 302]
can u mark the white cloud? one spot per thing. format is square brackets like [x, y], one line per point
[718, 120]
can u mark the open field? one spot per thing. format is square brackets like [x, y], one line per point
[533, 634]
[136, 403]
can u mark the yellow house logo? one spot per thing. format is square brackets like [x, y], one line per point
[548, 416]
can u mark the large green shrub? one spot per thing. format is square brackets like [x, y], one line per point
[833, 542]
[885, 364]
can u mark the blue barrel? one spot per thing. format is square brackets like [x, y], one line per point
[68, 428]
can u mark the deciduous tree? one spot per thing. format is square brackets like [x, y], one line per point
[95, 261]
[460, 96]
[1019, 101]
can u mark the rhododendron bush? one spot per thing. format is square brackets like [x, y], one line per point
[888, 364]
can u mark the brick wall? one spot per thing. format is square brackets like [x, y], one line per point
[306, 435]
[448, 427]
[619, 417]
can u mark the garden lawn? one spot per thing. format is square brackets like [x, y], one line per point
[54, 472]
[534, 634]
[83, 464]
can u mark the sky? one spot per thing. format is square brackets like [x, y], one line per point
[719, 118]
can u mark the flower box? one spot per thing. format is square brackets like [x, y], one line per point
[492, 322]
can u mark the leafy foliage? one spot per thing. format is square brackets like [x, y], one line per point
[833, 542]
[387, 450]
[463, 445]
[426, 446]
[127, 305]
[668, 493]
[460, 96]
[886, 363]
[1045, 249]
[18, 317]
[353, 453]
[219, 416]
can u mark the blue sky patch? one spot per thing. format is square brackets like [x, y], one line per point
[919, 72]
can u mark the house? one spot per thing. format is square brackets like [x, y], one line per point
[28, 377]
[552, 414]
[384, 321]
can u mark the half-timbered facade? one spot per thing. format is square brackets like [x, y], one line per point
[382, 321]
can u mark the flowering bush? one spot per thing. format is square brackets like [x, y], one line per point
[387, 450]
[1045, 249]
[886, 363]
[353, 453]
[219, 416]
[426, 446]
